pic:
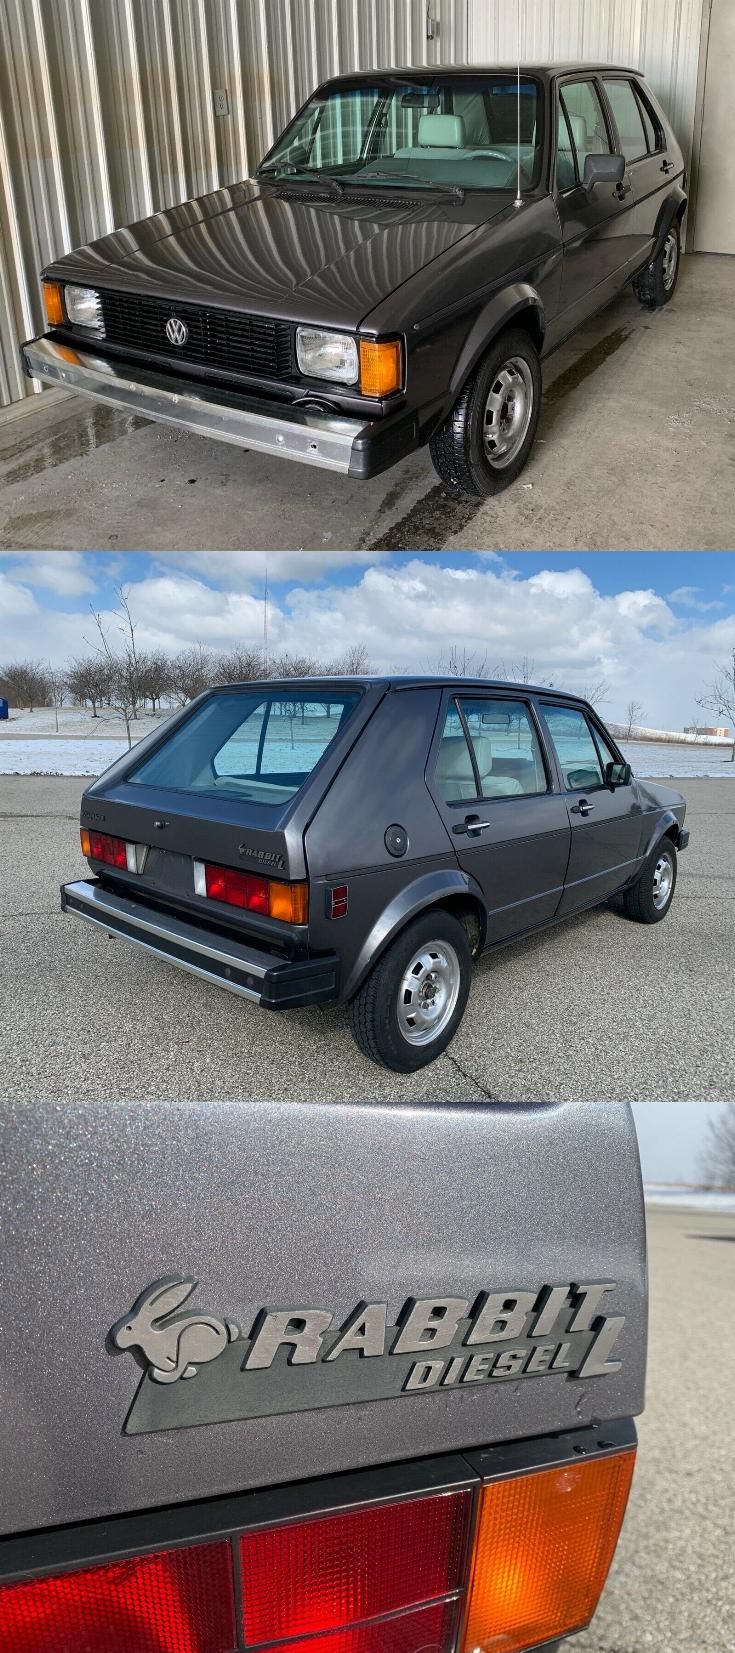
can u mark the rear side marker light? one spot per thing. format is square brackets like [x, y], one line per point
[176, 1601]
[543, 1547]
[288, 902]
[337, 900]
[329, 1573]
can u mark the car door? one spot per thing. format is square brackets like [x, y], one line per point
[605, 821]
[640, 138]
[499, 800]
[596, 224]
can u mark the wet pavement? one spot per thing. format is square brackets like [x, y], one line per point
[636, 450]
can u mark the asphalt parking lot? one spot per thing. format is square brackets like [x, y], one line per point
[599, 1007]
[634, 451]
[672, 1585]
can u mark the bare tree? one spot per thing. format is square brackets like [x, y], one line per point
[121, 678]
[154, 676]
[596, 692]
[88, 680]
[191, 672]
[633, 715]
[27, 682]
[240, 665]
[463, 663]
[718, 1154]
[355, 662]
[720, 696]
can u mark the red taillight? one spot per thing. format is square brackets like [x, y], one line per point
[430, 1630]
[102, 847]
[325, 1574]
[289, 902]
[177, 1601]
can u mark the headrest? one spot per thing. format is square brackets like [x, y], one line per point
[441, 132]
[454, 762]
[579, 132]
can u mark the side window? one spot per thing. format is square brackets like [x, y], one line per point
[575, 747]
[582, 131]
[651, 125]
[628, 119]
[505, 748]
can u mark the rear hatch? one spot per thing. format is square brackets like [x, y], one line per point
[236, 1211]
[239, 795]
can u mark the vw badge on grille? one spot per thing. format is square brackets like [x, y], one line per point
[177, 331]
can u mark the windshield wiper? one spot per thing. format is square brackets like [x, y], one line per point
[284, 175]
[423, 183]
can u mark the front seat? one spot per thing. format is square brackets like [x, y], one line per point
[455, 776]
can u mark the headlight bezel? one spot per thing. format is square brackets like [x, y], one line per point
[75, 298]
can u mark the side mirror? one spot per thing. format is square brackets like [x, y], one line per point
[618, 774]
[603, 169]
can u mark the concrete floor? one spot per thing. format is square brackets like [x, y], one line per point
[636, 450]
[672, 1584]
[599, 1008]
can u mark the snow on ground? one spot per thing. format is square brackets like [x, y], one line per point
[76, 722]
[59, 757]
[697, 1199]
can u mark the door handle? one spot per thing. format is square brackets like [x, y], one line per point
[667, 166]
[623, 189]
[582, 808]
[471, 823]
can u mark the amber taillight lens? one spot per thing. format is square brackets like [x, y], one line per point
[543, 1547]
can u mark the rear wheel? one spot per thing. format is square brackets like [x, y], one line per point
[656, 285]
[484, 444]
[412, 1003]
[649, 899]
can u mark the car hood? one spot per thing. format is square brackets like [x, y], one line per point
[293, 256]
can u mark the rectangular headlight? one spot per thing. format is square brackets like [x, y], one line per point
[327, 355]
[84, 308]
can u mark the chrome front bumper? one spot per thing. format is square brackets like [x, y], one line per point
[248, 421]
[274, 983]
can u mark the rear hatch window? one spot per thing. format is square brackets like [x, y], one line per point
[257, 745]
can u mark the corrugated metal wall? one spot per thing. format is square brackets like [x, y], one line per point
[661, 37]
[106, 110]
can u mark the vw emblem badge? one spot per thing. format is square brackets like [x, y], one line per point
[177, 331]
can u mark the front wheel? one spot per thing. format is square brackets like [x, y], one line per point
[656, 285]
[484, 443]
[411, 1004]
[649, 899]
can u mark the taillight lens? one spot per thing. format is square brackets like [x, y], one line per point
[100, 846]
[324, 1574]
[289, 902]
[430, 1630]
[543, 1547]
[178, 1601]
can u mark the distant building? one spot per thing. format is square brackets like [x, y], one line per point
[699, 729]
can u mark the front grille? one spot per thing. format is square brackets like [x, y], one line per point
[225, 339]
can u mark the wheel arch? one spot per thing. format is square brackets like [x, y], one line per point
[452, 891]
[666, 826]
[518, 305]
[674, 207]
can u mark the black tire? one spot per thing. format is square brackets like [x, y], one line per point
[458, 449]
[654, 286]
[639, 902]
[373, 1012]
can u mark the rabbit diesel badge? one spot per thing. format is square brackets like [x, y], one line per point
[199, 1368]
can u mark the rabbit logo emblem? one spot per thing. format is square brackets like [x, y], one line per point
[174, 1345]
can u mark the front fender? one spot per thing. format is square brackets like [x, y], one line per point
[428, 890]
[498, 313]
[660, 828]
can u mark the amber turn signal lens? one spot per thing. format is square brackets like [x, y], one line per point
[288, 901]
[85, 841]
[54, 303]
[543, 1547]
[381, 367]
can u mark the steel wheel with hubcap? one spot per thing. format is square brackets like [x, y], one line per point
[412, 1002]
[649, 899]
[657, 283]
[663, 878]
[670, 260]
[485, 441]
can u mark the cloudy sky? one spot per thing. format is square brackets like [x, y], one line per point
[654, 626]
[671, 1137]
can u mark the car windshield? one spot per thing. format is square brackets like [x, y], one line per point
[256, 745]
[452, 131]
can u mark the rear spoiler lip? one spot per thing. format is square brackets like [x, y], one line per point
[272, 982]
[58, 1549]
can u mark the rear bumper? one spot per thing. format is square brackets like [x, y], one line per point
[332, 441]
[273, 983]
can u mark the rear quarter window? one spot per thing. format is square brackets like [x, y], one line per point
[256, 745]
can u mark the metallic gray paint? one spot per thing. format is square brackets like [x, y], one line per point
[290, 1202]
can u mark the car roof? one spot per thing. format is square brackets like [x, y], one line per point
[544, 71]
[401, 681]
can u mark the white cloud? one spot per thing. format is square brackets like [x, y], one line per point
[410, 614]
[241, 570]
[686, 596]
[66, 573]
